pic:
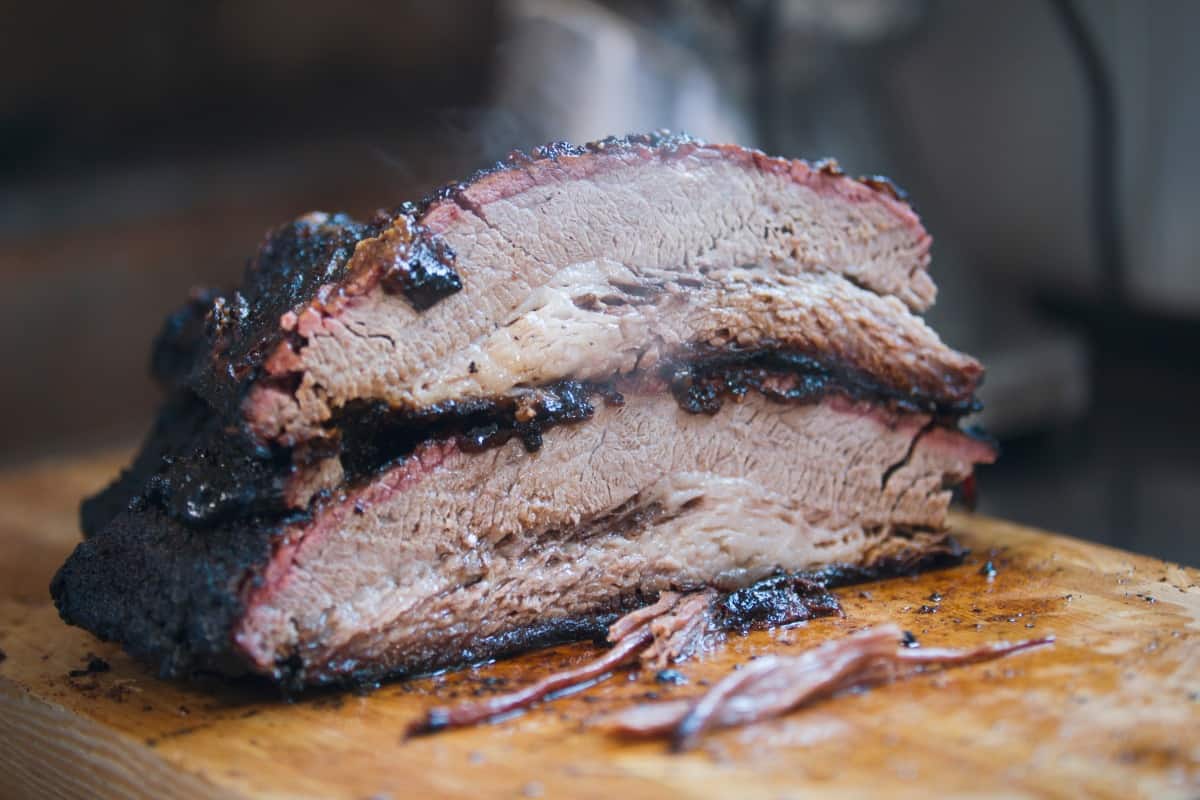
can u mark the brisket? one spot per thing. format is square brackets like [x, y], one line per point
[540, 399]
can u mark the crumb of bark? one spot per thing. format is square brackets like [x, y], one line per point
[94, 666]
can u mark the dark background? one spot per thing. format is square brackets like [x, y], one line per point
[146, 147]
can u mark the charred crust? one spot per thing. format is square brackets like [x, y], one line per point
[702, 380]
[182, 342]
[661, 139]
[171, 432]
[405, 258]
[197, 471]
[217, 474]
[167, 595]
[780, 599]
[292, 264]
[425, 277]
[374, 436]
[226, 477]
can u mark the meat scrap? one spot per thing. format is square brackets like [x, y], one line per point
[442, 718]
[687, 629]
[636, 619]
[774, 685]
[671, 629]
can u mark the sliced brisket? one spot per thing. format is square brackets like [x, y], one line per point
[544, 397]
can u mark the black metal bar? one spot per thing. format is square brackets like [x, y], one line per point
[1104, 180]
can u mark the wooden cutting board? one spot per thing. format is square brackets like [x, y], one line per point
[1113, 710]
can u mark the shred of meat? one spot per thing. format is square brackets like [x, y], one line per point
[773, 685]
[438, 719]
[687, 629]
[636, 619]
[674, 627]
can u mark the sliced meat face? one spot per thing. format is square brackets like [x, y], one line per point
[599, 318]
[576, 262]
[431, 563]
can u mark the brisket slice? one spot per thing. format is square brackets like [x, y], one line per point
[552, 253]
[451, 556]
[544, 397]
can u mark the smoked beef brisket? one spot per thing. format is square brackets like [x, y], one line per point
[542, 397]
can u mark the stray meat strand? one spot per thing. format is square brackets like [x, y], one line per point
[636, 619]
[635, 633]
[687, 629]
[773, 685]
[439, 719]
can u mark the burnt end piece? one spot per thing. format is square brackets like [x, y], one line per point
[423, 271]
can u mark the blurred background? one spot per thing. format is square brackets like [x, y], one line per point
[1051, 147]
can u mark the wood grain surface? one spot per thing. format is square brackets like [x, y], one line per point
[1113, 710]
